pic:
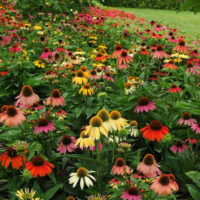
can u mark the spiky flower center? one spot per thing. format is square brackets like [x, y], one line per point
[96, 121]
[70, 198]
[79, 73]
[56, 93]
[66, 140]
[84, 135]
[120, 162]
[143, 101]
[82, 172]
[133, 191]
[159, 47]
[174, 86]
[4, 108]
[189, 65]
[186, 115]
[27, 91]
[11, 111]
[27, 196]
[124, 54]
[115, 115]
[155, 125]
[42, 122]
[38, 161]
[104, 115]
[172, 177]
[171, 33]
[87, 86]
[93, 72]
[179, 144]
[99, 55]
[108, 74]
[149, 159]
[46, 50]
[133, 123]
[84, 68]
[11, 151]
[182, 43]
[118, 47]
[127, 85]
[164, 179]
[171, 62]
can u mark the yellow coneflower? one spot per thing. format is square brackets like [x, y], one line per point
[117, 121]
[37, 27]
[79, 78]
[96, 128]
[39, 63]
[85, 71]
[84, 140]
[104, 115]
[102, 46]
[86, 89]
[92, 41]
[97, 64]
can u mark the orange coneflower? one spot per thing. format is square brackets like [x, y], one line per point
[3, 112]
[56, 99]
[12, 116]
[39, 166]
[80, 78]
[27, 97]
[11, 155]
[181, 47]
[170, 65]
[154, 131]
[100, 57]
[117, 51]
[124, 58]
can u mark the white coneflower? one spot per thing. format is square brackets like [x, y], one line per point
[26, 194]
[132, 128]
[83, 175]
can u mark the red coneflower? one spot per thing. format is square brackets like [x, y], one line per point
[170, 65]
[39, 166]
[117, 51]
[181, 47]
[100, 57]
[194, 53]
[12, 116]
[56, 99]
[144, 51]
[124, 58]
[154, 131]
[159, 53]
[174, 89]
[27, 97]
[11, 155]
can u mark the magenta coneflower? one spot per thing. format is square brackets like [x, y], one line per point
[174, 89]
[56, 99]
[108, 76]
[117, 51]
[15, 48]
[124, 57]
[194, 69]
[148, 166]
[120, 167]
[196, 128]
[170, 65]
[131, 194]
[181, 47]
[158, 27]
[27, 97]
[93, 75]
[12, 116]
[67, 144]
[46, 53]
[159, 53]
[178, 146]
[144, 104]
[191, 141]
[186, 119]
[5, 40]
[43, 125]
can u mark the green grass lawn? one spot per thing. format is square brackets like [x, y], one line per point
[186, 22]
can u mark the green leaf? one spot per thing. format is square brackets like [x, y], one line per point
[195, 176]
[51, 192]
[194, 191]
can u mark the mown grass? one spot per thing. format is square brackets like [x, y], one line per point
[186, 22]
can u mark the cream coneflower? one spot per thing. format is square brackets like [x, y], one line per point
[133, 128]
[13, 116]
[117, 122]
[148, 166]
[80, 78]
[27, 97]
[86, 89]
[162, 185]
[26, 194]
[85, 140]
[96, 128]
[56, 99]
[97, 197]
[104, 115]
[129, 88]
[120, 167]
[84, 176]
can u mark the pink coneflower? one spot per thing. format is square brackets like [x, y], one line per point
[172, 40]
[43, 125]
[46, 53]
[117, 51]
[186, 119]
[12, 116]
[148, 166]
[170, 65]
[196, 128]
[15, 48]
[4, 40]
[108, 76]
[194, 53]
[170, 34]
[124, 57]
[191, 141]
[126, 33]
[178, 146]
[144, 104]
[162, 185]
[56, 99]
[181, 47]
[120, 167]
[67, 144]
[174, 89]
[131, 194]
[27, 97]
[159, 53]
[194, 69]
[174, 185]
[122, 66]
[3, 112]
[158, 28]
[93, 75]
